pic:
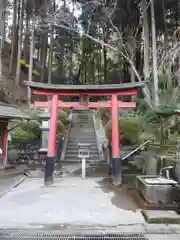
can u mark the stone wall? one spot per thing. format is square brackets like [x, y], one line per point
[150, 162]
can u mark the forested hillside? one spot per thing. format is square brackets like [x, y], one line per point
[91, 42]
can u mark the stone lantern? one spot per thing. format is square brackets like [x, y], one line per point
[45, 118]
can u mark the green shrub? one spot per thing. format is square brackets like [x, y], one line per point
[21, 134]
[32, 129]
[63, 117]
[129, 131]
[145, 136]
[105, 115]
[62, 114]
[61, 128]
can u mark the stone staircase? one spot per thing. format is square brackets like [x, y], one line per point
[81, 131]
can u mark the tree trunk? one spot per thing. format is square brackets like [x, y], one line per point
[178, 33]
[44, 56]
[105, 63]
[71, 46]
[2, 36]
[14, 37]
[31, 56]
[146, 69]
[132, 47]
[18, 69]
[26, 38]
[154, 57]
[3, 20]
[51, 45]
[50, 58]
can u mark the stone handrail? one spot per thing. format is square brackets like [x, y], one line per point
[136, 149]
[101, 138]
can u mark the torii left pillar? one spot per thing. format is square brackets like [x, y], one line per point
[51, 156]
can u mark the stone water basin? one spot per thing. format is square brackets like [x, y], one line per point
[154, 189]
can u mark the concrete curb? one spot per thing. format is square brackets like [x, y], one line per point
[16, 184]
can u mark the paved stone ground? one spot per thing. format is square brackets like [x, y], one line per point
[7, 181]
[73, 205]
[163, 237]
[69, 201]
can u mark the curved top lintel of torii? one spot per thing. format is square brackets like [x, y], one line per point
[56, 87]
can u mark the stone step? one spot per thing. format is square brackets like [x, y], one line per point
[75, 147]
[70, 143]
[92, 163]
[80, 126]
[82, 122]
[82, 138]
[77, 160]
[83, 134]
[85, 129]
[90, 117]
[87, 123]
[157, 216]
[85, 117]
[88, 141]
[80, 119]
[75, 152]
[75, 144]
[68, 156]
[74, 133]
[85, 140]
[82, 114]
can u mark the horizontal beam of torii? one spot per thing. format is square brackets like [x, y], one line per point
[98, 92]
[107, 104]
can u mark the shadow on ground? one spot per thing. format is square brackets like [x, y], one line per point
[120, 198]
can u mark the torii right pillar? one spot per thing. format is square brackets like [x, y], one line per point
[116, 159]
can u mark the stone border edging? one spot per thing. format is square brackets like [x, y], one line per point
[13, 186]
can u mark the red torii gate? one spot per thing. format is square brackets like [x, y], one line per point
[115, 90]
